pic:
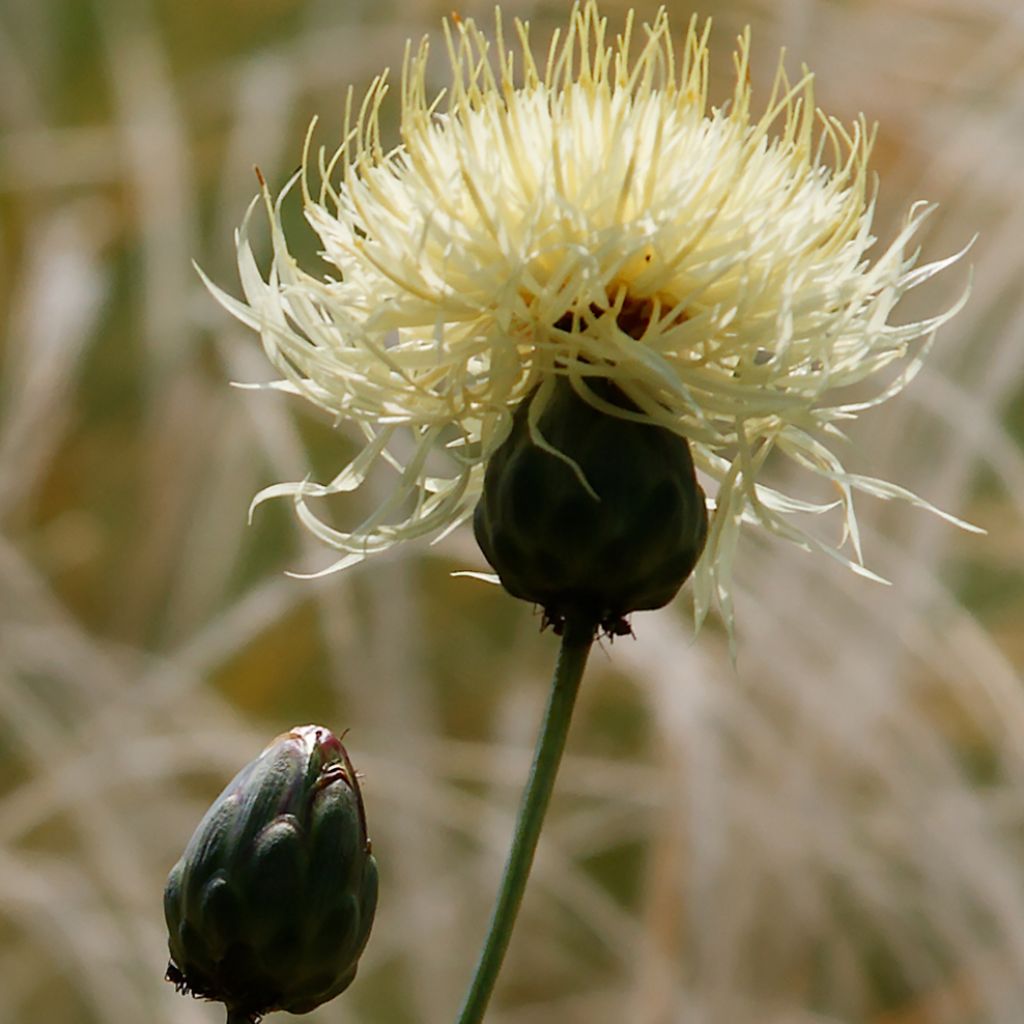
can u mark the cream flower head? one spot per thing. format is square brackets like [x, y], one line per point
[590, 218]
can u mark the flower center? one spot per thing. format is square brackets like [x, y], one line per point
[633, 318]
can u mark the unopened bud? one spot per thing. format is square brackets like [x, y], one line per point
[271, 904]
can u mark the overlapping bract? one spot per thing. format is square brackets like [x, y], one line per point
[271, 904]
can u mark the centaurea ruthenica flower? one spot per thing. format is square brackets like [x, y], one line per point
[592, 216]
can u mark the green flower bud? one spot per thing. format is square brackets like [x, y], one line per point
[271, 904]
[625, 541]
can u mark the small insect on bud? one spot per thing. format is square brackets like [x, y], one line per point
[271, 904]
[624, 540]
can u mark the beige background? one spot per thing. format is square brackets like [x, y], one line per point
[834, 832]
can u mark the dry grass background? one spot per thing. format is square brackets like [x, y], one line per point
[834, 832]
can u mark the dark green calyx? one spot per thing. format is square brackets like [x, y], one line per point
[554, 543]
[271, 904]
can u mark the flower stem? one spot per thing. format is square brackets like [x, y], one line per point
[572, 658]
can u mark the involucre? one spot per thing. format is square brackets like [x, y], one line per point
[271, 904]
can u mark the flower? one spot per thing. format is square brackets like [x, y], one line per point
[591, 217]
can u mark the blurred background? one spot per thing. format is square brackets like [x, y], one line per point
[833, 831]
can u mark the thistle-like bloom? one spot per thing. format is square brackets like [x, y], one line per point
[591, 217]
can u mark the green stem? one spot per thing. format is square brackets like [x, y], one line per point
[572, 658]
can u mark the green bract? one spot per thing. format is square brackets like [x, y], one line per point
[591, 514]
[271, 904]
